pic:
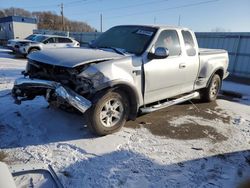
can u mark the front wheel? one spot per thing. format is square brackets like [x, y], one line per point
[211, 92]
[108, 114]
[32, 50]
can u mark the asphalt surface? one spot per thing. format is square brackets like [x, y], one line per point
[158, 122]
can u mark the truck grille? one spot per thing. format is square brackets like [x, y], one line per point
[41, 70]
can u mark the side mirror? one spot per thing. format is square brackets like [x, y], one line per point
[160, 53]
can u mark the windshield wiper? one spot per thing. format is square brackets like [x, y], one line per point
[117, 50]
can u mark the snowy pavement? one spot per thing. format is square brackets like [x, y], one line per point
[187, 145]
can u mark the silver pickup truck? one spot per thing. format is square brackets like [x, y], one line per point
[128, 70]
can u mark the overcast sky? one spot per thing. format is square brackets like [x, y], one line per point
[199, 15]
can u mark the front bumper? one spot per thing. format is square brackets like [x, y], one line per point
[23, 50]
[10, 47]
[27, 89]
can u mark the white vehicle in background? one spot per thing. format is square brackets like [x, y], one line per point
[44, 42]
[12, 42]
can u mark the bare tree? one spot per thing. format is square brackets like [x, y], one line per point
[48, 20]
[16, 12]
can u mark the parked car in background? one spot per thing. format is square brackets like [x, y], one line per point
[128, 70]
[12, 42]
[44, 41]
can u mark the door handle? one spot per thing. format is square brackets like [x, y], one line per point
[182, 65]
[136, 72]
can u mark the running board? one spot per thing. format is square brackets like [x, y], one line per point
[169, 103]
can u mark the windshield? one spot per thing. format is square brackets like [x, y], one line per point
[132, 39]
[30, 37]
[40, 38]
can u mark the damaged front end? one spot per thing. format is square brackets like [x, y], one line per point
[67, 86]
[28, 89]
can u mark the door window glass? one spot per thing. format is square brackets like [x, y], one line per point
[169, 39]
[64, 40]
[50, 40]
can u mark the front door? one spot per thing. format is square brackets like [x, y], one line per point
[50, 43]
[163, 77]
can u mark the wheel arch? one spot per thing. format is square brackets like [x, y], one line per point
[132, 98]
[37, 48]
[129, 90]
[219, 71]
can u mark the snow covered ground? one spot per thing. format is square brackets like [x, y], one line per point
[200, 145]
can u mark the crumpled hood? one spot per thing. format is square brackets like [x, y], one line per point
[72, 57]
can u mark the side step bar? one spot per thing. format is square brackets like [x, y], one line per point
[169, 103]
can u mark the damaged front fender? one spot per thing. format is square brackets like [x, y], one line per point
[92, 73]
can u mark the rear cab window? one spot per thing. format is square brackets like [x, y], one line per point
[64, 40]
[189, 43]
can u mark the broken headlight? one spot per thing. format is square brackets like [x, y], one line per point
[92, 74]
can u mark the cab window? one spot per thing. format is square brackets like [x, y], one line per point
[64, 40]
[169, 39]
[50, 40]
[189, 43]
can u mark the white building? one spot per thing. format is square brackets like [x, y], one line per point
[12, 27]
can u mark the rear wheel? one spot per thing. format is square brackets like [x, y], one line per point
[108, 114]
[211, 92]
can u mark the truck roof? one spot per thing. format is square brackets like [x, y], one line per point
[158, 26]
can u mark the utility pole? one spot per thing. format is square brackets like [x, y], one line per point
[62, 16]
[179, 20]
[101, 22]
[13, 11]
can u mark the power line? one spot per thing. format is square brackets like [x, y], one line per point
[170, 8]
[159, 10]
[123, 7]
[73, 3]
[41, 6]
[55, 5]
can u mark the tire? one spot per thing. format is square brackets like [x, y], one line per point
[210, 93]
[108, 114]
[32, 50]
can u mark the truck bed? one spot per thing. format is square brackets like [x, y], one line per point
[208, 51]
[209, 60]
